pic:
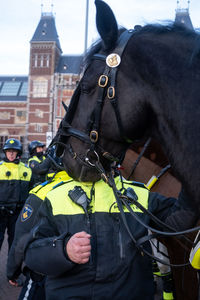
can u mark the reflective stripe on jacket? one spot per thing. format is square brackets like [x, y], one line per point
[14, 183]
[38, 169]
[35, 158]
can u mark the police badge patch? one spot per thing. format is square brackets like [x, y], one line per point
[26, 212]
[32, 164]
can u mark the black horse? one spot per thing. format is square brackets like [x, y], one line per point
[137, 83]
[154, 91]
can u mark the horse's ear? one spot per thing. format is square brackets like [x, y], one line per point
[106, 24]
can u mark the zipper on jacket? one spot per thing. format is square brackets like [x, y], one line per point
[121, 248]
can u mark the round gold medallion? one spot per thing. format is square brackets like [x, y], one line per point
[113, 60]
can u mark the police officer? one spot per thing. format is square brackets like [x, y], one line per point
[34, 283]
[15, 183]
[90, 252]
[38, 162]
[33, 287]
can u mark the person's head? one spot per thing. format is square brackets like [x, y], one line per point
[12, 149]
[36, 148]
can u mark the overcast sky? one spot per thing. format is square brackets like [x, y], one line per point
[19, 19]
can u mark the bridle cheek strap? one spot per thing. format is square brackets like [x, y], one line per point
[109, 76]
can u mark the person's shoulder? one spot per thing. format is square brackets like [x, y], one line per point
[9, 165]
[24, 164]
[32, 162]
[61, 188]
[32, 158]
[45, 187]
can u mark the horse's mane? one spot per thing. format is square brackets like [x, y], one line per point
[157, 29]
[170, 27]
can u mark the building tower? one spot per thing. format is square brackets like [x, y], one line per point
[183, 17]
[45, 52]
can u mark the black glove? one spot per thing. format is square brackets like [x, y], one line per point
[51, 152]
[56, 161]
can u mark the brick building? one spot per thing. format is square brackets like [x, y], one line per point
[31, 106]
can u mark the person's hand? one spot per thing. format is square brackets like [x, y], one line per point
[13, 282]
[51, 151]
[78, 247]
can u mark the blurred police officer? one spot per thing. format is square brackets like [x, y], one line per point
[38, 162]
[15, 183]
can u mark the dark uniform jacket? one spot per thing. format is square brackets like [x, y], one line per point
[15, 183]
[40, 167]
[25, 223]
[116, 269]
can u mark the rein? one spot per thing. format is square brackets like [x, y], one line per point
[91, 158]
[122, 200]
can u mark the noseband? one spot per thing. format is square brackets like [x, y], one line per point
[108, 76]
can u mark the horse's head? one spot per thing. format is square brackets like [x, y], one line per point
[132, 85]
[98, 121]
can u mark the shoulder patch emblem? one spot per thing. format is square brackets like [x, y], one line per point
[27, 212]
[32, 164]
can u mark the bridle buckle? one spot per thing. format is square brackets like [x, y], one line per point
[111, 92]
[103, 81]
[94, 136]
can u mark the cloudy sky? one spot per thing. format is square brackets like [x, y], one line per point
[19, 19]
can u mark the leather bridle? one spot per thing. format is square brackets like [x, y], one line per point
[91, 158]
[94, 150]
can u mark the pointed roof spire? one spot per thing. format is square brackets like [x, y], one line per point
[183, 17]
[46, 30]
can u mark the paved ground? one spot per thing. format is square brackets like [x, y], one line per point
[8, 292]
[158, 295]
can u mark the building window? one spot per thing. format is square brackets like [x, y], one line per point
[40, 88]
[21, 113]
[20, 116]
[10, 88]
[38, 128]
[35, 60]
[47, 61]
[41, 61]
[24, 89]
